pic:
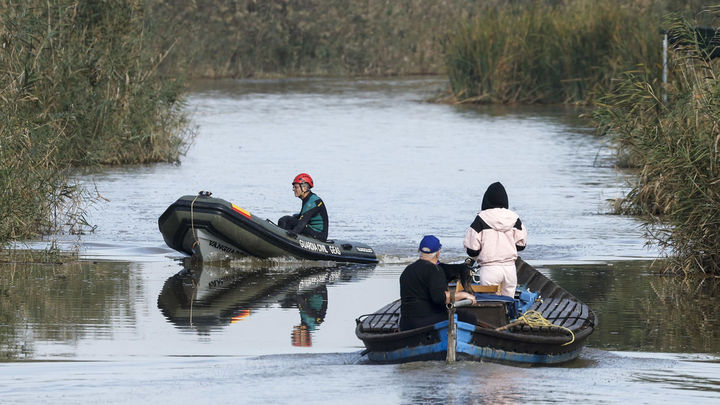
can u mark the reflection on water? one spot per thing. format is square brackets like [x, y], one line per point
[68, 310]
[50, 302]
[702, 378]
[174, 329]
[205, 297]
[643, 311]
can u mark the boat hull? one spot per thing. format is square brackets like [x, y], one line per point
[434, 347]
[214, 229]
[573, 322]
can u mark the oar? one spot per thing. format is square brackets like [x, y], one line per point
[452, 330]
[452, 327]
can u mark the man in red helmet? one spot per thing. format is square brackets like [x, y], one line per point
[312, 219]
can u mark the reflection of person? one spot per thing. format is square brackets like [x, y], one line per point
[312, 219]
[301, 336]
[312, 305]
[424, 288]
[494, 238]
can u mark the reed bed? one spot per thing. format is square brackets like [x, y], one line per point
[79, 85]
[250, 38]
[672, 134]
[548, 52]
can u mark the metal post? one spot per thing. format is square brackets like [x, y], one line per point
[664, 74]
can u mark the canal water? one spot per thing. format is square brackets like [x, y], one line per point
[134, 321]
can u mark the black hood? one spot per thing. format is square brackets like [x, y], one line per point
[495, 197]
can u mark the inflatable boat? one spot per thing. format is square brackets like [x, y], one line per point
[214, 229]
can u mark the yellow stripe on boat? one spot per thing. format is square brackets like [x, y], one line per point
[241, 211]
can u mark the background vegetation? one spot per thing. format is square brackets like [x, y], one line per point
[539, 51]
[252, 38]
[102, 82]
[79, 85]
[672, 134]
[532, 52]
[608, 53]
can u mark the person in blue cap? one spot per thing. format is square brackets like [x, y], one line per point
[424, 288]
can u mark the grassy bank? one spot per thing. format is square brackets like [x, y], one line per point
[674, 144]
[79, 85]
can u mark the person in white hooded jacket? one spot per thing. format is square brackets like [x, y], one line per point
[494, 238]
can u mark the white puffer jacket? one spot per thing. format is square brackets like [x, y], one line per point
[496, 233]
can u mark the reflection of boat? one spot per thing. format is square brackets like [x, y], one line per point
[216, 230]
[203, 297]
[489, 331]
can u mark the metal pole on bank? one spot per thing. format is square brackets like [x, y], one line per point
[664, 73]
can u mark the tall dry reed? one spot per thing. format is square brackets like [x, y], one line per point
[675, 145]
[547, 52]
[250, 38]
[79, 85]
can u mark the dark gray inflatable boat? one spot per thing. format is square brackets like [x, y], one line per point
[214, 229]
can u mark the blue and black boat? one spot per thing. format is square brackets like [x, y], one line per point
[543, 324]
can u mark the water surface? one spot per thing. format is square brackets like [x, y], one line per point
[134, 322]
[389, 166]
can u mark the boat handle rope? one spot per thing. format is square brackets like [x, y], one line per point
[533, 318]
[192, 221]
[202, 193]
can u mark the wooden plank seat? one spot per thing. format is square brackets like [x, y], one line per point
[487, 289]
[385, 320]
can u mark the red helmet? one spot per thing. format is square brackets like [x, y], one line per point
[303, 178]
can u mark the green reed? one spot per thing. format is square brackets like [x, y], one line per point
[674, 144]
[79, 85]
[547, 52]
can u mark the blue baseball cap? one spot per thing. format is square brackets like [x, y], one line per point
[429, 244]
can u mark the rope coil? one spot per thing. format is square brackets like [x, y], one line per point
[532, 319]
